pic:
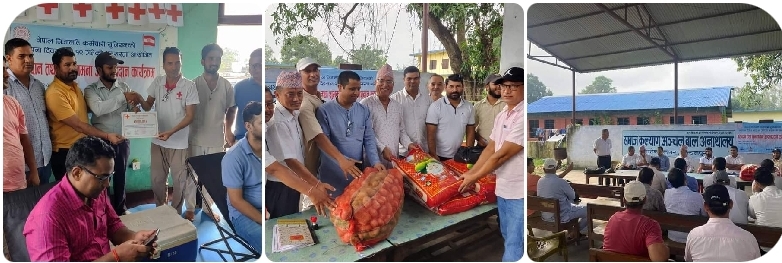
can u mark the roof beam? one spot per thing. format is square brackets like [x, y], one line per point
[653, 23]
[578, 16]
[548, 63]
[628, 25]
[643, 28]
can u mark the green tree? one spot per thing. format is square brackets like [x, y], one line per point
[340, 60]
[536, 89]
[268, 54]
[300, 46]
[230, 56]
[368, 57]
[766, 74]
[601, 84]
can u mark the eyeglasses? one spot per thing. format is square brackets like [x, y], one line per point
[101, 178]
[511, 87]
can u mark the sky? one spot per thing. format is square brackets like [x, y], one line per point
[700, 74]
[401, 35]
[234, 37]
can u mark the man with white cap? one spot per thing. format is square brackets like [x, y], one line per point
[387, 118]
[551, 186]
[720, 239]
[314, 139]
[630, 232]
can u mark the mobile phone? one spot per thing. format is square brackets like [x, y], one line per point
[152, 238]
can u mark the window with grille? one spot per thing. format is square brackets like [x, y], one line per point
[642, 120]
[548, 124]
[622, 121]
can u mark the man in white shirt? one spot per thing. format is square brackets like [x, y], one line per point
[643, 157]
[739, 211]
[435, 86]
[449, 119]
[766, 204]
[415, 105]
[735, 162]
[285, 140]
[174, 98]
[659, 181]
[387, 119]
[630, 160]
[602, 148]
[720, 239]
[705, 162]
[683, 154]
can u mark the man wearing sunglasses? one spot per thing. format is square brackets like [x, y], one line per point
[74, 221]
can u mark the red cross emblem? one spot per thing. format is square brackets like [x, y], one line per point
[179, 95]
[127, 116]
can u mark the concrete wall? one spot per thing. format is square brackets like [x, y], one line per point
[755, 116]
[512, 48]
[581, 142]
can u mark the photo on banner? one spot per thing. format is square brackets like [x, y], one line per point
[674, 109]
[411, 96]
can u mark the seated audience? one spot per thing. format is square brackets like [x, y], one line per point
[690, 181]
[630, 232]
[554, 187]
[766, 204]
[654, 199]
[681, 200]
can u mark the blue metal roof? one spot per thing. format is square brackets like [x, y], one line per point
[648, 100]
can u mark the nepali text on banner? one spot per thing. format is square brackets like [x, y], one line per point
[758, 137]
[138, 50]
[672, 140]
[328, 83]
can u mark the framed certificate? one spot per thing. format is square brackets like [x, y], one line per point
[139, 125]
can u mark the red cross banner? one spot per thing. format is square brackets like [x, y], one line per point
[82, 13]
[175, 15]
[48, 11]
[156, 13]
[115, 14]
[137, 14]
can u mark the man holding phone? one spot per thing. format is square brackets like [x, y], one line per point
[75, 221]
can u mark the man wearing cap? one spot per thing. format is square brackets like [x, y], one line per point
[435, 86]
[246, 91]
[107, 99]
[415, 106]
[386, 117]
[720, 239]
[659, 181]
[765, 204]
[551, 186]
[630, 232]
[719, 166]
[740, 210]
[681, 200]
[487, 109]
[654, 198]
[67, 111]
[504, 156]
[448, 120]
[175, 98]
[286, 143]
[314, 138]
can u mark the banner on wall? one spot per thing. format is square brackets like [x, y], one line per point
[758, 137]
[672, 140]
[328, 83]
[139, 50]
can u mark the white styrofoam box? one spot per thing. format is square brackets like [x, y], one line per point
[178, 239]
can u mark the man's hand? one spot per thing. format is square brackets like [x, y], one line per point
[132, 250]
[469, 180]
[34, 179]
[348, 166]
[267, 213]
[387, 154]
[143, 235]
[433, 153]
[115, 138]
[230, 140]
[132, 98]
[380, 167]
[163, 136]
[410, 146]
[321, 198]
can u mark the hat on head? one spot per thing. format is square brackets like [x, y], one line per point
[635, 191]
[106, 58]
[289, 79]
[716, 195]
[514, 74]
[776, 150]
[385, 72]
[305, 62]
[491, 79]
[721, 177]
[549, 164]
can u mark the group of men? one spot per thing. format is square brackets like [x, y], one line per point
[317, 147]
[44, 125]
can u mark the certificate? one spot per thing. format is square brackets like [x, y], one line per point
[139, 125]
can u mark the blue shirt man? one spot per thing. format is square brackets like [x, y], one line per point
[248, 90]
[241, 171]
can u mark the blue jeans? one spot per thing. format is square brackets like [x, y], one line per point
[248, 229]
[512, 227]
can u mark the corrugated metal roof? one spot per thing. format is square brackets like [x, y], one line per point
[589, 39]
[662, 99]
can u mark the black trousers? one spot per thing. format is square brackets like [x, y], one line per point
[122, 152]
[58, 163]
[281, 200]
[605, 162]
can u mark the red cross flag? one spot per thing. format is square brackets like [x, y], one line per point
[48, 11]
[156, 13]
[82, 13]
[175, 15]
[115, 14]
[137, 14]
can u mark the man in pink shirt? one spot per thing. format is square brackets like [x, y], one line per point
[503, 156]
[17, 148]
[74, 221]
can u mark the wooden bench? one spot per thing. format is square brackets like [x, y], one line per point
[767, 236]
[595, 191]
[599, 255]
[540, 205]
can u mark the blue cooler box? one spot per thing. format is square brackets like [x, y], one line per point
[178, 239]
